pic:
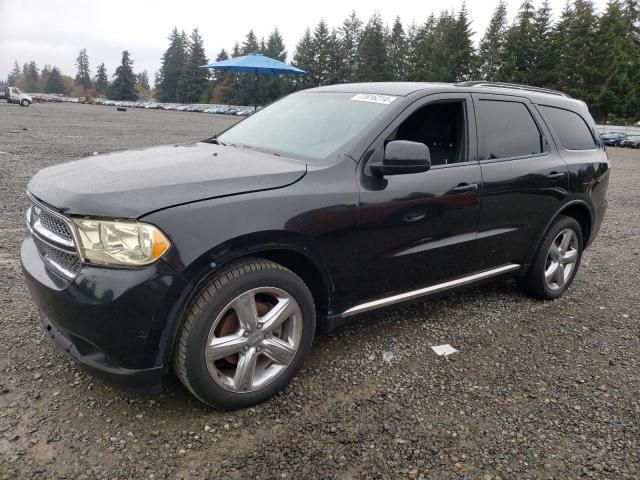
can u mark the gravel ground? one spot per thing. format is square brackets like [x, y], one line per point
[537, 390]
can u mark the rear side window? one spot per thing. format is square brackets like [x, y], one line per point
[507, 129]
[571, 129]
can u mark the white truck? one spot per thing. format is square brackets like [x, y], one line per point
[14, 95]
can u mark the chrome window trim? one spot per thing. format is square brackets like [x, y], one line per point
[439, 287]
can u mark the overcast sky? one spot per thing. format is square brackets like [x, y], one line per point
[53, 31]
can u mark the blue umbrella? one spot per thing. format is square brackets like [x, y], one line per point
[257, 64]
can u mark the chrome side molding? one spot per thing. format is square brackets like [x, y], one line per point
[439, 287]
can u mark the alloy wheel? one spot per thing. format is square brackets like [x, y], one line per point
[254, 339]
[561, 259]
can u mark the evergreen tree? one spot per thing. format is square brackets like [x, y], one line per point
[321, 54]
[336, 66]
[44, 76]
[618, 47]
[193, 81]
[520, 47]
[462, 52]
[491, 51]
[303, 58]
[443, 61]
[422, 53]
[397, 51]
[275, 46]
[171, 68]
[350, 40]
[124, 85]
[222, 55]
[373, 65]
[31, 77]
[15, 74]
[250, 44]
[236, 52]
[275, 86]
[544, 61]
[83, 77]
[54, 82]
[102, 80]
[577, 72]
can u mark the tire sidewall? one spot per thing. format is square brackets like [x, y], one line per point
[203, 386]
[561, 224]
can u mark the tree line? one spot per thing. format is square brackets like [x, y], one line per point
[589, 55]
[593, 57]
[125, 84]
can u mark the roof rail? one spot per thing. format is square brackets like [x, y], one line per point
[514, 86]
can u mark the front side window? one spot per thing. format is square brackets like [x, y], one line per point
[307, 125]
[571, 129]
[506, 129]
[441, 127]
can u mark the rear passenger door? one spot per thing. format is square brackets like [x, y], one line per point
[524, 178]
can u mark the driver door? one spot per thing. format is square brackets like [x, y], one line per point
[420, 229]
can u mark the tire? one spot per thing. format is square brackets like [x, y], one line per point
[542, 280]
[24, 103]
[216, 345]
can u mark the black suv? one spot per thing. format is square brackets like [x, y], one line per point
[222, 258]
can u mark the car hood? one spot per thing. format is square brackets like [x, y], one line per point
[133, 183]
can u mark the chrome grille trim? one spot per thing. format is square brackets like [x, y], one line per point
[49, 224]
[64, 262]
[54, 238]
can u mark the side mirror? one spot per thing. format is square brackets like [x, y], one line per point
[402, 157]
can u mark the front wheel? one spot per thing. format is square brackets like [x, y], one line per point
[24, 103]
[245, 334]
[556, 262]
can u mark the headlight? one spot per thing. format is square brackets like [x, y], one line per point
[119, 243]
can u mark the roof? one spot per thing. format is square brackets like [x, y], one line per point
[404, 89]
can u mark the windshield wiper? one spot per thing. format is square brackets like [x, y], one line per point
[215, 141]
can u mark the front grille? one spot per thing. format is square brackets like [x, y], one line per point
[55, 225]
[67, 263]
[53, 237]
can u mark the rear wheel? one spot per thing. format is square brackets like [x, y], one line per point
[245, 335]
[556, 263]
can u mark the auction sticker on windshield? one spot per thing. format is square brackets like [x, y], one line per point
[374, 98]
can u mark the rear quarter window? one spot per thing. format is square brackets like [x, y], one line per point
[570, 128]
[506, 129]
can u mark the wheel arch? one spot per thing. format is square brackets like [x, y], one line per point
[577, 209]
[294, 255]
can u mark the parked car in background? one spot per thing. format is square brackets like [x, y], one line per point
[613, 139]
[225, 259]
[14, 95]
[632, 141]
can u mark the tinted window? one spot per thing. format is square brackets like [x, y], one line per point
[507, 129]
[307, 125]
[441, 127]
[571, 129]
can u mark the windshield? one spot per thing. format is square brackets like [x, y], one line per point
[307, 125]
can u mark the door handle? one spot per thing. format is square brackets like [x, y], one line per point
[555, 174]
[466, 187]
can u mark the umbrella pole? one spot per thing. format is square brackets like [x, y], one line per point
[255, 107]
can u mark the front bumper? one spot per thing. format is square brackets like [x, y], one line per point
[116, 322]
